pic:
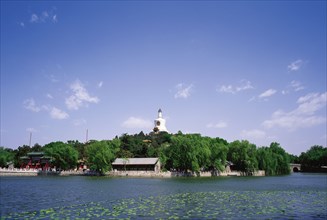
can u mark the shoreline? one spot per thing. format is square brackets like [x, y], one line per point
[150, 174]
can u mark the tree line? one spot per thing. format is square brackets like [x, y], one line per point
[182, 152]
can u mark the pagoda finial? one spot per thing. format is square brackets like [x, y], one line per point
[159, 113]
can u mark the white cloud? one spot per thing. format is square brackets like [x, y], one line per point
[293, 121]
[284, 92]
[100, 84]
[311, 103]
[45, 16]
[267, 93]
[56, 113]
[303, 116]
[243, 85]
[34, 18]
[30, 104]
[227, 89]
[183, 91]
[253, 134]
[295, 66]
[134, 122]
[80, 96]
[22, 24]
[46, 107]
[54, 19]
[220, 124]
[49, 96]
[79, 122]
[252, 99]
[297, 86]
[52, 78]
[31, 130]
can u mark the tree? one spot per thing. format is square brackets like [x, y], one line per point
[126, 148]
[161, 153]
[219, 150]
[20, 152]
[157, 145]
[202, 152]
[273, 160]
[6, 156]
[180, 153]
[314, 158]
[282, 159]
[36, 148]
[267, 160]
[293, 158]
[64, 155]
[80, 147]
[243, 155]
[188, 152]
[100, 155]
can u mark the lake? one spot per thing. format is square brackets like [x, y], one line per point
[295, 196]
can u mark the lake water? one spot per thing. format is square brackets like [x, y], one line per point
[296, 196]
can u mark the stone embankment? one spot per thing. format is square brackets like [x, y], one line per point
[18, 172]
[139, 173]
[168, 174]
[180, 174]
[36, 172]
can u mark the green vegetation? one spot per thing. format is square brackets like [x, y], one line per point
[64, 155]
[195, 205]
[185, 153]
[273, 160]
[314, 158]
[182, 152]
[243, 155]
[6, 156]
[100, 154]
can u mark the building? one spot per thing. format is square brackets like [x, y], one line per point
[137, 164]
[36, 160]
[160, 123]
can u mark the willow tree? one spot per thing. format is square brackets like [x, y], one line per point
[243, 155]
[282, 159]
[267, 161]
[100, 155]
[188, 152]
[219, 150]
[273, 160]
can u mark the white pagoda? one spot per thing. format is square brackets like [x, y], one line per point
[160, 123]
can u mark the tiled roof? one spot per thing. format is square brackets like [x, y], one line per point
[35, 154]
[136, 161]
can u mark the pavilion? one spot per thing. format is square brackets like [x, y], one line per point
[36, 160]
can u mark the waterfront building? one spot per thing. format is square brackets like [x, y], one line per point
[36, 160]
[136, 164]
[160, 123]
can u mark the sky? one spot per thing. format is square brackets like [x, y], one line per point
[238, 70]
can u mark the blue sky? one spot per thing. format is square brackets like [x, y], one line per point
[236, 70]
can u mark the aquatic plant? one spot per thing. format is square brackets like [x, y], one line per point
[204, 205]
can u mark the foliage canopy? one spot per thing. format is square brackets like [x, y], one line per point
[183, 152]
